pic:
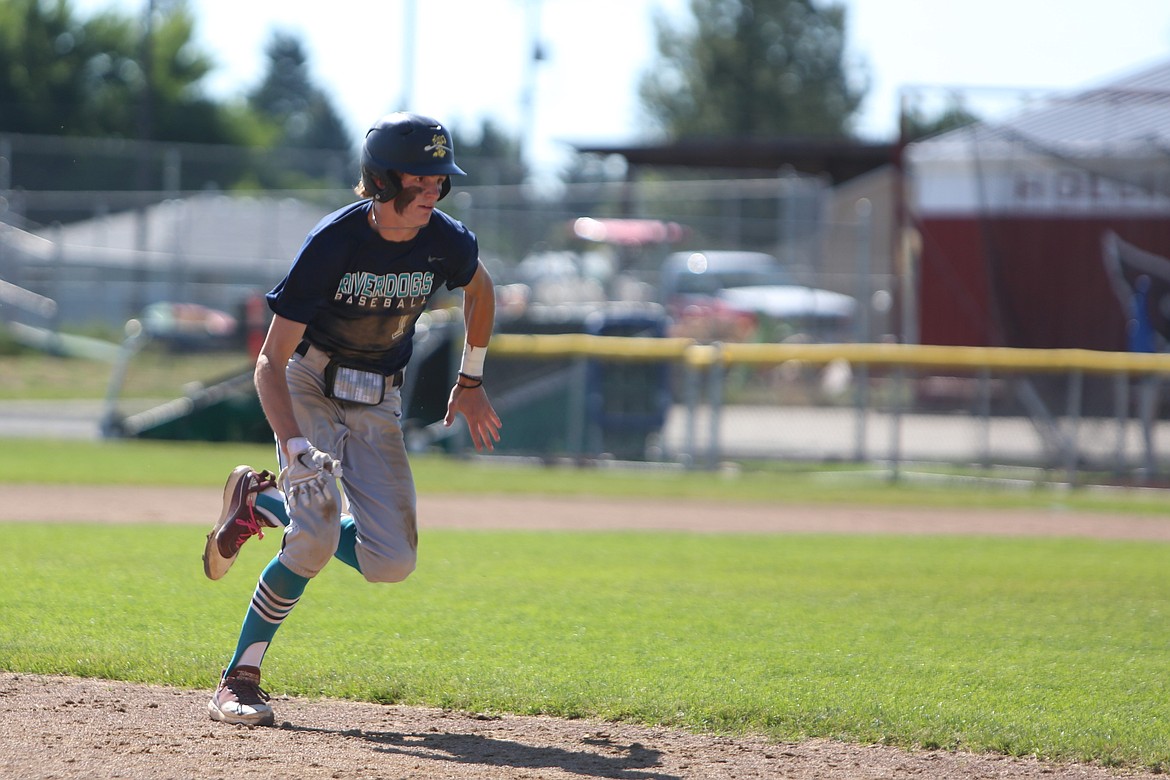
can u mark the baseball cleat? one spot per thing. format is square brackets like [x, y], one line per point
[238, 522]
[239, 699]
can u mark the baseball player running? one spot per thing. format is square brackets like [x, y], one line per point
[328, 378]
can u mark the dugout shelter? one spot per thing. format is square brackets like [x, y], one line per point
[1035, 229]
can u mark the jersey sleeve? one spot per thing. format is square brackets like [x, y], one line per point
[311, 280]
[462, 258]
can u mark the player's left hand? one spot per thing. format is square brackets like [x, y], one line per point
[305, 478]
[482, 421]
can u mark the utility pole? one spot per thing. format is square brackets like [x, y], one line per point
[535, 55]
[409, 36]
[142, 173]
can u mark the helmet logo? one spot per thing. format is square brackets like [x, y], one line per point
[438, 146]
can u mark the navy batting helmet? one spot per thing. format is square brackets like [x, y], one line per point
[409, 143]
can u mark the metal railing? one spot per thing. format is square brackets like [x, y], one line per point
[1078, 415]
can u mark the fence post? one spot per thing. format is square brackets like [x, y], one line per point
[896, 424]
[985, 415]
[691, 397]
[861, 412]
[864, 211]
[1147, 398]
[5, 166]
[578, 400]
[1121, 415]
[1072, 443]
[715, 405]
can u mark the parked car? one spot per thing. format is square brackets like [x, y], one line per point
[190, 327]
[729, 295]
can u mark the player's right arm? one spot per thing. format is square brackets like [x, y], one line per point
[470, 399]
[271, 383]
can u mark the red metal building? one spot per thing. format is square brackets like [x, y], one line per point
[1034, 231]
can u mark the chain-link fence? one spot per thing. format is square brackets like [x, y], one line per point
[985, 412]
[196, 234]
[587, 259]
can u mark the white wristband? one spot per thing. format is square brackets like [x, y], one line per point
[473, 358]
[295, 446]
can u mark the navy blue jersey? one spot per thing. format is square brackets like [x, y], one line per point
[360, 296]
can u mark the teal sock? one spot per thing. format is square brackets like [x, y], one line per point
[271, 505]
[277, 592]
[347, 546]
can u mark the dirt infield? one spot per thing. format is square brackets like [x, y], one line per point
[55, 727]
[65, 503]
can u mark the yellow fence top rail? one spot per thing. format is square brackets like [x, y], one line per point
[893, 355]
[588, 345]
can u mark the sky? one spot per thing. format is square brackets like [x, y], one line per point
[463, 61]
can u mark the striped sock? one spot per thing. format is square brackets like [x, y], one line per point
[270, 504]
[277, 592]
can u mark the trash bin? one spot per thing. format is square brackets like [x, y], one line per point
[581, 407]
[626, 400]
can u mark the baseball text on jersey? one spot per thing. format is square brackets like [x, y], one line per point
[368, 289]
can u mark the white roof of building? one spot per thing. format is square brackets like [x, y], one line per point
[209, 231]
[1125, 116]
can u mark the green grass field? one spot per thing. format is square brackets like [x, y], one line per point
[138, 462]
[153, 374]
[1049, 647]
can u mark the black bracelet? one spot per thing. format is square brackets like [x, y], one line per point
[477, 379]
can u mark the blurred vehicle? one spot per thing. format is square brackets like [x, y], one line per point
[564, 276]
[730, 295]
[190, 327]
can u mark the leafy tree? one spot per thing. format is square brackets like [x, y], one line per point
[61, 75]
[120, 90]
[43, 67]
[287, 96]
[918, 122]
[493, 158]
[285, 111]
[180, 111]
[752, 68]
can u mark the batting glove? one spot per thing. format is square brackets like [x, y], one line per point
[306, 477]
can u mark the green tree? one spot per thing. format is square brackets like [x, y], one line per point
[108, 76]
[180, 109]
[303, 113]
[45, 62]
[493, 158]
[287, 111]
[752, 68]
[145, 82]
[920, 122]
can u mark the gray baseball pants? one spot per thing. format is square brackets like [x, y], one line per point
[376, 480]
